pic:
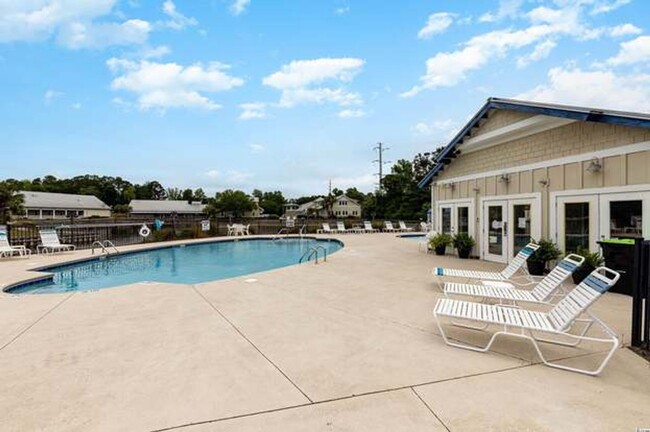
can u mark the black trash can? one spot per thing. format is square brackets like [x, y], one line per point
[619, 256]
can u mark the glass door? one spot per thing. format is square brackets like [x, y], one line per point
[625, 215]
[577, 223]
[521, 227]
[495, 244]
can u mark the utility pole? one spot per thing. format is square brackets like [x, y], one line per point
[380, 149]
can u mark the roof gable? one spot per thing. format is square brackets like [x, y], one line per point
[577, 113]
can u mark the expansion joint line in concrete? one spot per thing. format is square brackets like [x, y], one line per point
[430, 409]
[251, 343]
[25, 330]
[337, 399]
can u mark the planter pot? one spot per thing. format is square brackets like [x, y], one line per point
[464, 253]
[581, 272]
[440, 250]
[536, 268]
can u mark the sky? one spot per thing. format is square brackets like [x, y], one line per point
[288, 94]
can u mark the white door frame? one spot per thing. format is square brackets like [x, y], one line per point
[454, 204]
[557, 213]
[603, 197]
[485, 244]
[533, 199]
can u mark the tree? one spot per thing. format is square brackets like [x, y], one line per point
[174, 193]
[337, 192]
[11, 202]
[188, 195]
[354, 194]
[199, 195]
[234, 202]
[424, 162]
[273, 202]
[401, 198]
[151, 190]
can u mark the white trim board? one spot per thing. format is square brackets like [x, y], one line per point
[582, 157]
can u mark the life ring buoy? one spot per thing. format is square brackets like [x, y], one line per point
[145, 231]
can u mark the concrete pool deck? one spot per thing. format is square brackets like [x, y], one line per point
[347, 345]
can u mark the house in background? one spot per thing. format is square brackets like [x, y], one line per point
[522, 169]
[48, 205]
[164, 209]
[342, 207]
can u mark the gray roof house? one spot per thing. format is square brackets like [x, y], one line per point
[166, 207]
[48, 205]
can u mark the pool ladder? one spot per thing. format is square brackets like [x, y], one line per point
[313, 252]
[104, 246]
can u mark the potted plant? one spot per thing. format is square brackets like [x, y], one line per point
[547, 251]
[464, 243]
[592, 261]
[439, 243]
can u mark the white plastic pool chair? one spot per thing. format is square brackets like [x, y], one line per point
[507, 293]
[50, 242]
[7, 250]
[507, 273]
[403, 227]
[367, 227]
[423, 244]
[559, 322]
[388, 227]
[326, 229]
[340, 227]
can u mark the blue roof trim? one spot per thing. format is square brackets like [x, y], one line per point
[562, 111]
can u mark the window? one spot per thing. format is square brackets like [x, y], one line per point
[576, 226]
[59, 212]
[463, 219]
[521, 227]
[33, 212]
[625, 218]
[47, 213]
[446, 220]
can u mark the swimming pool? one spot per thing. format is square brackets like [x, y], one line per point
[414, 236]
[185, 264]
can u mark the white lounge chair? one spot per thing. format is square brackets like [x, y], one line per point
[340, 227]
[558, 322]
[7, 250]
[367, 227]
[50, 242]
[388, 227]
[507, 273]
[505, 292]
[326, 229]
[403, 227]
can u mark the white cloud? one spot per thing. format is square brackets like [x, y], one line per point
[73, 23]
[436, 23]
[50, 95]
[154, 52]
[351, 113]
[170, 85]
[446, 69]
[624, 30]
[634, 51]
[541, 51]
[342, 10]
[605, 6]
[76, 105]
[253, 110]
[602, 89]
[507, 9]
[100, 35]
[177, 21]
[228, 179]
[440, 128]
[310, 81]
[239, 6]
[363, 181]
[257, 148]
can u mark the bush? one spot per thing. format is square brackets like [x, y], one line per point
[547, 251]
[464, 243]
[440, 240]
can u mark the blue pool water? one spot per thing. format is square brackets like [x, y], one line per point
[180, 264]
